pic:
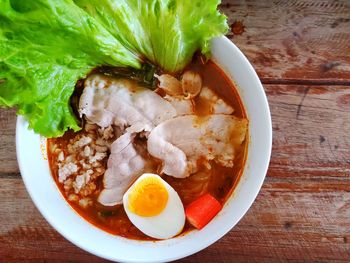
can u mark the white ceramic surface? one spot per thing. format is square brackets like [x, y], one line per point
[46, 196]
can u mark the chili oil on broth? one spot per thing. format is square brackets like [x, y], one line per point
[219, 181]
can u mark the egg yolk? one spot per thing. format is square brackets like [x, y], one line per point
[148, 198]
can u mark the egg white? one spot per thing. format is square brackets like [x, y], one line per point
[168, 223]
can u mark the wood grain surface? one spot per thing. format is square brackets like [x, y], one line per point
[301, 51]
[293, 40]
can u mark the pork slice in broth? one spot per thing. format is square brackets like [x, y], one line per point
[178, 141]
[213, 104]
[109, 101]
[182, 141]
[124, 165]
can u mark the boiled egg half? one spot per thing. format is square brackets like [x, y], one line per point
[154, 207]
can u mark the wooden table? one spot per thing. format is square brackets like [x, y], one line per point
[301, 51]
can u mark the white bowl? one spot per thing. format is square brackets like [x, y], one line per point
[31, 154]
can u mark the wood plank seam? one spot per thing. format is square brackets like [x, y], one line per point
[9, 175]
[308, 82]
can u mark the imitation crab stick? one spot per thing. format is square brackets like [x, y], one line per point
[201, 211]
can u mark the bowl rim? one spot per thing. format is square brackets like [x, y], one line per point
[182, 251]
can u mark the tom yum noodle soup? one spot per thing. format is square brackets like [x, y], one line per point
[158, 154]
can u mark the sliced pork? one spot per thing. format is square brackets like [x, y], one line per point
[109, 101]
[208, 98]
[178, 141]
[125, 164]
[182, 141]
[215, 104]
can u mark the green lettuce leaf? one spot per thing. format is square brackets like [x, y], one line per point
[166, 32]
[45, 47]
